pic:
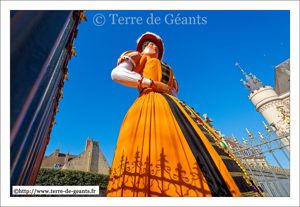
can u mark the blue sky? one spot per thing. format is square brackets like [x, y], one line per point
[202, 56]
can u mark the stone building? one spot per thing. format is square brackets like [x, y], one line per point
[273, 103]
[90, 160]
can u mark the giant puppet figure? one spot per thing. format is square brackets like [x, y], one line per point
[164, 148]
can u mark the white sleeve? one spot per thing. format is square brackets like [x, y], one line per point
[123, 74]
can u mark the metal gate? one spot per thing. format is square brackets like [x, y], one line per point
[275, 180]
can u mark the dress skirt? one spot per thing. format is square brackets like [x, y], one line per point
[165, 149]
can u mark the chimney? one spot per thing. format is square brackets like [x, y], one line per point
[55, 155]
[88, 142]
[56, 152]
[67, 158]
[96, 143]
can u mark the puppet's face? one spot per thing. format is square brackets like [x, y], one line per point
[151, 50]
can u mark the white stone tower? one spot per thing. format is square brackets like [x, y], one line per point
[272, 104]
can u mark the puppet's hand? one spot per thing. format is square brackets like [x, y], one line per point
[161, 87]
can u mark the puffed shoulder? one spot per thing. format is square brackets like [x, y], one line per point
[175, 85]
[132, 56]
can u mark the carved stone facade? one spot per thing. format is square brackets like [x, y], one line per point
[286, 103]
[269, 105]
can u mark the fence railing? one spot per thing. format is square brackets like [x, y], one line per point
[275, 180]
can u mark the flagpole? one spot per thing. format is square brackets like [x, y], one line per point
[237, 64]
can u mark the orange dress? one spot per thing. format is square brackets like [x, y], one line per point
[165, 149]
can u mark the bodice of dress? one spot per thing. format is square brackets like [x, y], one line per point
[165, 73]
[138, 66]
[157, 71]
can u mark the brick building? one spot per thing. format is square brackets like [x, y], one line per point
[90, 160]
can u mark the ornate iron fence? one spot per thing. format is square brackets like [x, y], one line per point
[275, 180]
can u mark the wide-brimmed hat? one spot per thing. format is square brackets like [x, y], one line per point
[153, 38]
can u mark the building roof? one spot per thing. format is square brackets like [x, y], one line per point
[282, 78]
[253, 83]
[49, 161]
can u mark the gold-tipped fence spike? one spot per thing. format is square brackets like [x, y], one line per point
[249, 133]
[234, 139]
[261, 135]
[266, 127]
[244, 141]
